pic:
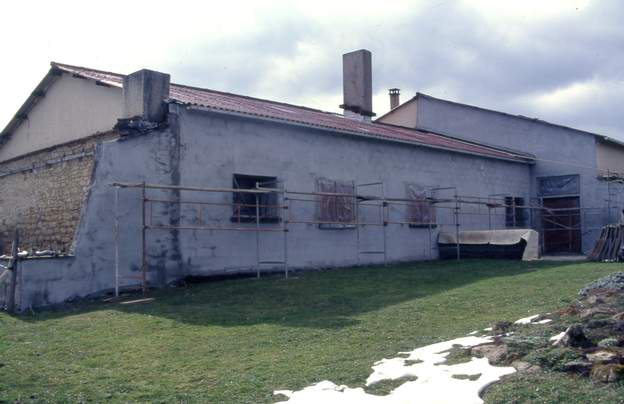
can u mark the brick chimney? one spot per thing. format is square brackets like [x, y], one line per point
[394, 97]
[357, 85]
[144, 94]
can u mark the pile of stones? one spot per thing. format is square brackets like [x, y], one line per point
[613, 282]
[589, 337]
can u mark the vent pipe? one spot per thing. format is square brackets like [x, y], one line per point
[394, 97]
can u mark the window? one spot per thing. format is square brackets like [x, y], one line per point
[515, 214]
[559, 185]
[244, 208]
[336, 211]
[421, 212]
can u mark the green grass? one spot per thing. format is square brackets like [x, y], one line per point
[238, 340]
[552, 387]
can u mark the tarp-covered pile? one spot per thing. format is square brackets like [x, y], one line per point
[509, 243]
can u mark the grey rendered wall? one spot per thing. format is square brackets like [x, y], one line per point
[205, 149]
[560, 151]
[298, 157]
[146, 158]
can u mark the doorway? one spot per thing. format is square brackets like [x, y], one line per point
[561, 223]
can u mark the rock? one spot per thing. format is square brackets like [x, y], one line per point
[574, 337]
[521, 365]
[618, 316]
[594, 299]
[614, 281]
[618, 326]
[495, 354]
[502, 327]
[610, 373]
[602, 356]
[608, 342]
[579, 367]
[526, 367]
[599, 310]
[570, 310]
[599, 323]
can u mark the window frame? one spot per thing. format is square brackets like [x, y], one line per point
[268, 202]
[341, 217]
[515, 217]
[420, 204]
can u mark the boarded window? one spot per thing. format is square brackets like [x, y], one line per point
[420, 212]
[515, 213]
[336, 211]
[244, 208]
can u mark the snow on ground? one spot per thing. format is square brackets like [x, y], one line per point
[526, 320]
[544, 321]
[529, 320]
[557, 337]
[428, 379]
[434, 380]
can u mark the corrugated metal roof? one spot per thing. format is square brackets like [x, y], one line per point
[233, 103]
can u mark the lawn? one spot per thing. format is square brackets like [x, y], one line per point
[238, 340]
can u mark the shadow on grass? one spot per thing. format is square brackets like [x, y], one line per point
[319, 299]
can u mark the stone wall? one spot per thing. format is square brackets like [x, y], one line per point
[41, 194]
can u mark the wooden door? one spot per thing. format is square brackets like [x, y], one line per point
[561, 219]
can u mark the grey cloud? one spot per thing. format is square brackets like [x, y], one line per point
[449, 48]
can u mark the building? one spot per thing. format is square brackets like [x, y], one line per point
[132, 178]
[576, 178]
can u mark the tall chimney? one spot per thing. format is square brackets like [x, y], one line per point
[394, 97]
[357, 85]
[144, 94]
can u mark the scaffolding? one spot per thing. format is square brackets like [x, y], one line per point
[453, 211]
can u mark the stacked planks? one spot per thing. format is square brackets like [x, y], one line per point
[609, 244]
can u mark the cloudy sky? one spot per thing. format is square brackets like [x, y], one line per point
[558, 60]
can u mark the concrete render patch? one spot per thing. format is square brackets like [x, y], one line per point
[435, 381]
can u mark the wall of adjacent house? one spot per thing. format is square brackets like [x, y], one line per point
[205, 149]
[610, 158]
[42, 194]
[72, 108]
[559, 150]
[403, 116]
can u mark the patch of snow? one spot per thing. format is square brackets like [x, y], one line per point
[544, 321]
[526, 320]
[434, 380]
[488, 329]
[557, 337]
[473, 332]
[529, 320]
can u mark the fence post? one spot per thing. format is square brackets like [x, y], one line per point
[13, 268]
